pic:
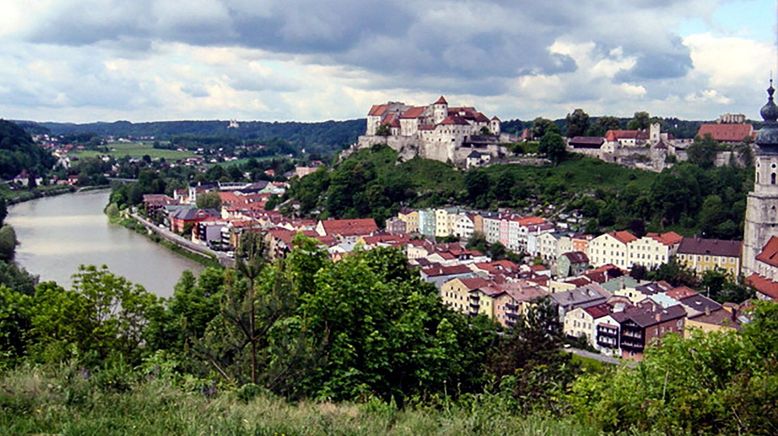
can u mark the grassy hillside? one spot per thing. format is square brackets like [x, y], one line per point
[64, 402]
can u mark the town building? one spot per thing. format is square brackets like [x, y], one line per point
[611, 248]
[708, 254]
[653, 249]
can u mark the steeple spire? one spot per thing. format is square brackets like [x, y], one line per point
[769, 111]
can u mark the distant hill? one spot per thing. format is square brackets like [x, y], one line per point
[19, 152]
[322, 137]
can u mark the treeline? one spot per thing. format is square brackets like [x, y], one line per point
[322, 137]
[597, 126]
[18, 152]
[366, 329]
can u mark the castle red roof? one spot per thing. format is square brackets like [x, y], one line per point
[454, 120]
[769, 254]
[441, 100]
[377, 110]
[414, 112]
[615, 135]
[726, 132]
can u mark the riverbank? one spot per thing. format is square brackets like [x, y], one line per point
[124, 219]
[20, 196]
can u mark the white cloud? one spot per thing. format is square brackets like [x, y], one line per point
[312, 60]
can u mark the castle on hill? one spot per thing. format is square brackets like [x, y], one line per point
[459, 135]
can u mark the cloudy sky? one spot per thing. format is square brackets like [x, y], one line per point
[310, 60]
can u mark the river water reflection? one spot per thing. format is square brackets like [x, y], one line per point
[58, 234]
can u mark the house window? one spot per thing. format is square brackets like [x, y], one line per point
[772, 178]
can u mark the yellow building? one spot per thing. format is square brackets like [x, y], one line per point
[455, 293]
[707, 254]
[411, 220]
[718, 321]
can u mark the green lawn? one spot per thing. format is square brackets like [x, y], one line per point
[136, 150]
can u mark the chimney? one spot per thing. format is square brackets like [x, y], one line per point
[734, 314]
[658, 316]
[707, 310]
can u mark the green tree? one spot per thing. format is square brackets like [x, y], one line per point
[7, 243]
[602, 125]
[209, 200]
[640, 121]
[101, 314]
[3, 210]
[703, 151]
[711, 215]
[553, 146]
[383, 130]
[577, 123]
[529, 359]
[15, 323]
[541, 126]
[477, 184]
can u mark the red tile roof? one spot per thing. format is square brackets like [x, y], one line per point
[668, 238]
[576, 257]
[763, 285]
[623, 236]
[352, 227]
[614, 135]
[438, 270]
[599, 310]
[378, 110]
[414, 112]
[530, 220]
[726, 132]
[452, 120]
[441, 100]
[474, 283]
[769, 253]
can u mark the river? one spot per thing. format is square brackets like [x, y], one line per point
[57, 234]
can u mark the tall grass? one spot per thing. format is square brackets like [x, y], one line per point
[37, 401]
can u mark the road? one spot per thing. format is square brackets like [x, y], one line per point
[184, 242]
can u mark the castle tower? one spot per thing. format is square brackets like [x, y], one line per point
[439, 110]
[654, 133]
[762, 206]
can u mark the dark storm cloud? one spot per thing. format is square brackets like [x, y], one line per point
[474, 46]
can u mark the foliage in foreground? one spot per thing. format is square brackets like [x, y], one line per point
[70, 401]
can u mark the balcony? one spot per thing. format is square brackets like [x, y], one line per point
[474, 304]
[512, 307]
[512, 315]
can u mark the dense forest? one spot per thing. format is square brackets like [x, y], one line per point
[689, 198]
[229, 348]
[18, 152]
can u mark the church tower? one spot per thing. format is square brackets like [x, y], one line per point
[762, 206]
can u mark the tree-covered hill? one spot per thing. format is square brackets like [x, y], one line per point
[686, 198]
[19, 152]
[321, 137]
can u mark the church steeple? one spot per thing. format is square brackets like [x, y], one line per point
[767, 138]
